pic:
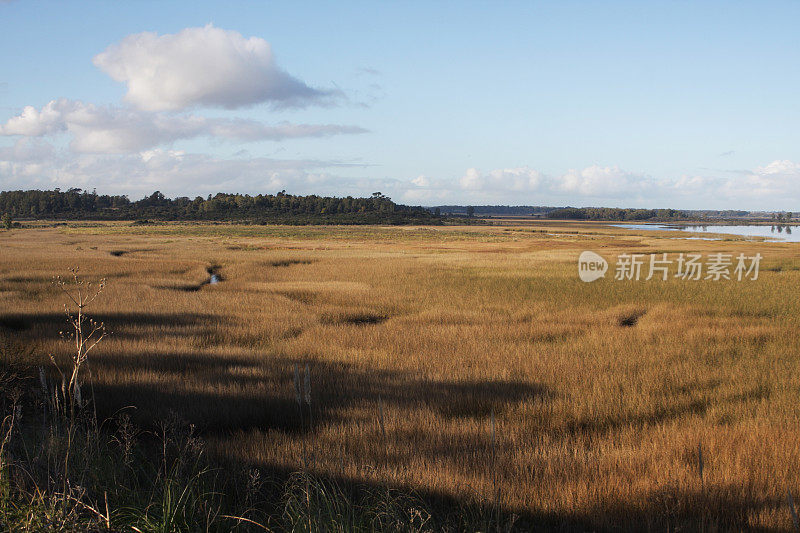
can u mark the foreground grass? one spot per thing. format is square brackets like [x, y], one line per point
[474, 369]
[62, 471]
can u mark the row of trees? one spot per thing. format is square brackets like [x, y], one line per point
[481, 210]
[279, 208]
[613, 213]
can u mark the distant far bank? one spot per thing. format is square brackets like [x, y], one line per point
[283, 208]
[611, 213]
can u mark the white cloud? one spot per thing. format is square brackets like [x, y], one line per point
[594, 184]
[27, 150]
[774, 186]
[110, 129]
[769, 187]
[421, 181]
[780, 179]
[32, 163]
[506, 179]
[784, 167]
[597, 181]
[34, 123]
[203, 67]
[125, 149]
[472, 179]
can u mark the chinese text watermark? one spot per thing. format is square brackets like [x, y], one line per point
[663, 266]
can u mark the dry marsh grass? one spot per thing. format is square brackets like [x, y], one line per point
[420, 340]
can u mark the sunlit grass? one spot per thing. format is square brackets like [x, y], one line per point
[602, 392]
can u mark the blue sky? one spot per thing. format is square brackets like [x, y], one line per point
[673, 104]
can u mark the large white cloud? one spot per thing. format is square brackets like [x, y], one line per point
[110, 129]
[126, 148]
[203, 67]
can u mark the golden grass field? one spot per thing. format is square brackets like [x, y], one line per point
[442, 330]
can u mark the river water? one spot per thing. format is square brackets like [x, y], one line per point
[779, 233]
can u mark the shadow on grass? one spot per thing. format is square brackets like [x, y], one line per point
[124, 325]
[252, 392]
[224, 393]
[679, 408]
[713, 508]
[672, 508]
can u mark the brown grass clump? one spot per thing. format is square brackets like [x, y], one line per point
[603, 396]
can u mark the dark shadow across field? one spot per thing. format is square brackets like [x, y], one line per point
[250, 393]
[125, 325]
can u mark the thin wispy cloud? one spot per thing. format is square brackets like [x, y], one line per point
[112, 129]
[367, 71]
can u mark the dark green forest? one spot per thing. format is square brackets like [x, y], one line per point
[281, 208]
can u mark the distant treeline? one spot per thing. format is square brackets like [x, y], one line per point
[280, 208]
[566, 213]
[612, 213]
[730, 213]
[482, 210]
